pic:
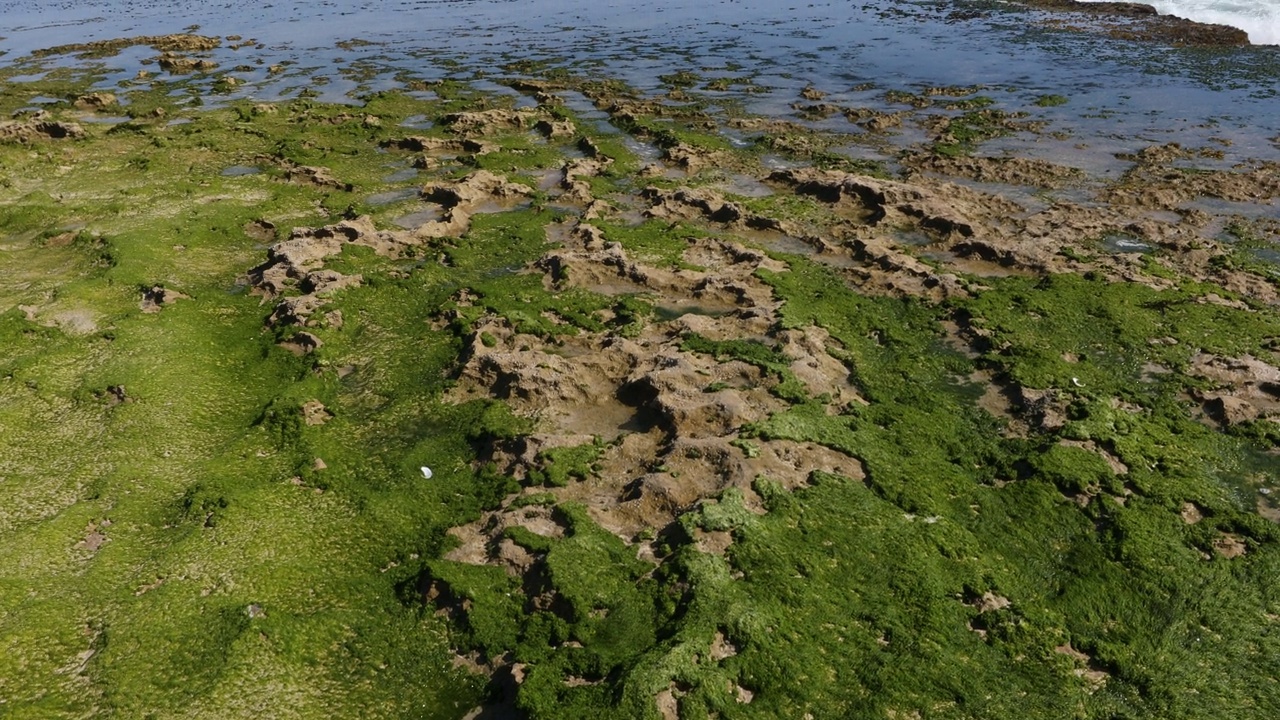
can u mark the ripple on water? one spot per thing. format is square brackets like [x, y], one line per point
[417, 122]
[392, 196]
[410, 221]
[673, 311]
[401, 175]
[1121, 243]
[1269, 255]
[744, 186]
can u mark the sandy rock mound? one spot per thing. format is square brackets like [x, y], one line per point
[474, 193]
[486, 122]
[1006, 170]
[1245, 388]
[297, 264]
[180, 65]
[478, 187]
[307, 175]
[943, 208]
[155, 298]
[95, 101]
[1156, 182]
[38, 127]
[164, 43]
[576, 172]
[660, 414]
[434, 150]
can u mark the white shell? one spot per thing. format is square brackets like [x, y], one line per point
[426, 472]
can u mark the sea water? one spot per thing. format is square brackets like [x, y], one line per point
[1121, 94]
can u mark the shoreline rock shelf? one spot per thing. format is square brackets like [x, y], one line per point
[635, 420]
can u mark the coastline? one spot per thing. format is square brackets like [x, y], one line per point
[1151, 25]
[742, 391]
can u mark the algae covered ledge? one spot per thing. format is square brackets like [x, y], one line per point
[522, 391]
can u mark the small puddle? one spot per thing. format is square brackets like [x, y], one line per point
[913, 238]
[980, 388]
[974, 266]
[777, 162]
[1253, 479]
[643, 150]
[239, 170]
[401, 175]
[607, 418]
[549, 180]
[497, 206]
[1118, 243]
[587, 111]
[413, 220]
[417, 122]
[745, 186]
[789, 245]
[737, 138]
[1218, 206]
[392, 196]
[106, 119]
[1267, 255]
[671, 311]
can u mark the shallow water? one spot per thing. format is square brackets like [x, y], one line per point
[392, 196]
[1115, 243]
[834, 45]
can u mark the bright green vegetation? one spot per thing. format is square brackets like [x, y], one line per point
[863, 599]
[178, 553]
[753, 352]
[176, 541]
[558, 466]
[656, 241]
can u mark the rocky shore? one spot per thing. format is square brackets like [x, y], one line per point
[568, 399]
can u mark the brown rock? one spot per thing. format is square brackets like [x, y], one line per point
[1230, 546]
[485, 122]
[38, 128]
[302, 343]
[315, 413]
[156, 297]
[95, 101]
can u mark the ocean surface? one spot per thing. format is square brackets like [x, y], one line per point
[1121, 94]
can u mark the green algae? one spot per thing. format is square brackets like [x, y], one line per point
[193, 469]
[558, 466]
[1102, 334]
[236, 570]
[656, 241]
[1050, 101]
[752, 352]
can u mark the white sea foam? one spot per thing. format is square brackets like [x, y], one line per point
[1259, 18]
